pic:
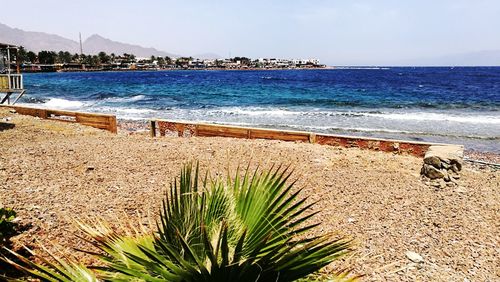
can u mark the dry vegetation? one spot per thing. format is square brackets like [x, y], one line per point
[52, 172]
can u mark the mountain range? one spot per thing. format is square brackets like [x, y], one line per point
[38, 41]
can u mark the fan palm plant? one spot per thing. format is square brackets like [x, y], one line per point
[249, 228]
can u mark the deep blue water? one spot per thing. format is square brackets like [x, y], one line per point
[456, 105]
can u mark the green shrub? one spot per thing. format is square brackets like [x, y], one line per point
[7, 224]
[250, 228]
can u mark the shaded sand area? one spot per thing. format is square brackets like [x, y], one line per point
[52, 172]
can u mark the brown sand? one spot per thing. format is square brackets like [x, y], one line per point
[52, 172]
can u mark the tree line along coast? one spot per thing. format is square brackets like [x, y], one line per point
[62, 61]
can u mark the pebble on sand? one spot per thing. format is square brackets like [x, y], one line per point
[414, 257]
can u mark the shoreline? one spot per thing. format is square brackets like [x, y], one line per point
[141, 127]
[184, 69]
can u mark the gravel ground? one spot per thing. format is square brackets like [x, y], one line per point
[54, 172]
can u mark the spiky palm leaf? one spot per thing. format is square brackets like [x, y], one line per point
[52, 271]
[246, 230]
[249, 228]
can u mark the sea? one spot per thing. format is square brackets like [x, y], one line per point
[458, 105]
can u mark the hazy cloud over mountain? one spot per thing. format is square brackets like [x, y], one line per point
[38, 41]
[96, 43]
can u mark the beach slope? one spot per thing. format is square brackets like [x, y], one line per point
[53, 172]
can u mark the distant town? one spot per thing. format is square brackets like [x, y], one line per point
[50, 61]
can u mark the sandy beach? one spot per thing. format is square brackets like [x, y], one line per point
[54, 172]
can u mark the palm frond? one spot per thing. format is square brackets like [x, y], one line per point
[56, 270]
[247, 228]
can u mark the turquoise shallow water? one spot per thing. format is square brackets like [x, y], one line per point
[456, 105]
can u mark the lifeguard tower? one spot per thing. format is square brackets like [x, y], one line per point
[11, 81]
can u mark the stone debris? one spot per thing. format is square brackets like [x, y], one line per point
[442, 165]
[414, 257]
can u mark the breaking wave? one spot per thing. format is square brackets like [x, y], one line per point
[58, 103]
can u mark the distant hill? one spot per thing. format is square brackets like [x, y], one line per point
[38, 41]
[96, 43]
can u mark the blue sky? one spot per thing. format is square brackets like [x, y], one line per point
[345, 32]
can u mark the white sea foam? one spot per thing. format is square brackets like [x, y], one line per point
[126, 99]
[411, 116]
[359, 129]
[254, 111]
[134, 111]
[422, 116]
[58, 103]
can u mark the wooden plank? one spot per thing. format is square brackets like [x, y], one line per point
[112, 127]
[97, 125]
[91, 119]
[215, 130]
[61, 113]
[279, 135]
[101, 121]
[41, 113]
[398, 146]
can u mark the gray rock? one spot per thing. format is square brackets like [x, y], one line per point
[456, 165]
[453, 180]
[441, 158]
[446, 176]
[432, 172]
[453, 174]
[433, 160]
[414, 257]
[435, 183]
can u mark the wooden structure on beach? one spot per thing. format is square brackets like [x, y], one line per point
[10, 81]
[186, 129]
[101, 121]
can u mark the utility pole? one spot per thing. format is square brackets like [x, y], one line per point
[81, 50]
[8, 62]
[81, 47]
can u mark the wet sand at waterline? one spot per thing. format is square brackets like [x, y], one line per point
[54, 172]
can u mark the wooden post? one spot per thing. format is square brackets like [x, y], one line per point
[112, 125]
[6, 98]
[152, 128]
[312, 138]
[18, 63]
[180, 130]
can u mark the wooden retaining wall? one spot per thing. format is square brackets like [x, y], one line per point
[101, 121]
[186, 129]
